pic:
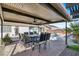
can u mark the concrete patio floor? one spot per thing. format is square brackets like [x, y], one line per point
[69, 52]
[53, 49]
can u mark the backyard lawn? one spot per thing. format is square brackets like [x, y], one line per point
[74, 47]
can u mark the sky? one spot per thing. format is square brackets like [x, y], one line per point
[61, 25]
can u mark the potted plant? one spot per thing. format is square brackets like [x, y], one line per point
[6, 40]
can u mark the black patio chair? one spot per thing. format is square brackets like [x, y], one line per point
[47, 37]
[38, 40]
[43, 37]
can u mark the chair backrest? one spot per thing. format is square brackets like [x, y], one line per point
[47, 36]
[19, 36]
[31, 33]
[42, 37]
[26, 33]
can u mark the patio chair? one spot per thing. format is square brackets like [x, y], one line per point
[43, 38]
[40, 40]
[26, 39]
[47, 37]
[36, 41]
[28, 42]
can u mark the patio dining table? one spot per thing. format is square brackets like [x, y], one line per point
[34, 38]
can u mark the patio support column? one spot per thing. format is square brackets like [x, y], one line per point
[29, 30]
[38, 29]
[66, 33]
[1, 43]
[1, 18]
[1, 29]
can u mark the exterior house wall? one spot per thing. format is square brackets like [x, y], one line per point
[23, 29]
[5, 31]
[11, 31]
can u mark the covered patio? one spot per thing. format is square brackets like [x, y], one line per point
[39, 14]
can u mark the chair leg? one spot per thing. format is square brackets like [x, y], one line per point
[39, 47]
[49, 44]
[45, 45]
[33, 47]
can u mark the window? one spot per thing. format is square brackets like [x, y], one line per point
[16, 30]
[6, 28]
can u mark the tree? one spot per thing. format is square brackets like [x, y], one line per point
[75, 30]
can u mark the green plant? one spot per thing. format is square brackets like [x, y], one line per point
[75, 28]
[26, 38]
[7, 39]
[74, 47]
[68, 30]
[35, 32]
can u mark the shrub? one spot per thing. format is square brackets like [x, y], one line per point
[75, 41]
[74, 47]
[7, 39]
[74, 28]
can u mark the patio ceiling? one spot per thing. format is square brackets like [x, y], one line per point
[17, 24]
[34, 13]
